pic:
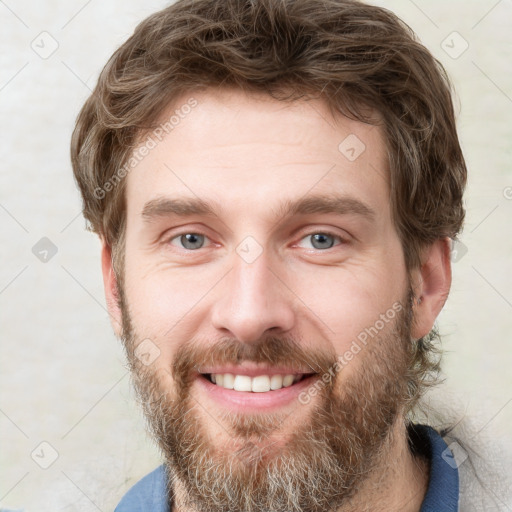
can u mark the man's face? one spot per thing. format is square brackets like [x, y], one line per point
[298, 270]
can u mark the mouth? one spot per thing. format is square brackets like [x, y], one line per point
[251, 389]
[256, 384]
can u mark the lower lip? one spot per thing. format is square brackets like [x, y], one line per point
[245, 401]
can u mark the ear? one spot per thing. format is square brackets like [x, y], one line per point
[111, 288]
[431, 286]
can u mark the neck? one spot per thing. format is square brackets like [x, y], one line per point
[398, 481]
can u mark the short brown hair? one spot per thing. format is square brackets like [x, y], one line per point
[356, 57]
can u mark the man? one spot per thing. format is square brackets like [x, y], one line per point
[276, 185]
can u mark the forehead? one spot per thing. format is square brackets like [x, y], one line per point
[250, 150]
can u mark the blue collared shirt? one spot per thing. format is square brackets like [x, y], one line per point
[150, 493]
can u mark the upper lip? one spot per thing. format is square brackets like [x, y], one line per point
[254, 370]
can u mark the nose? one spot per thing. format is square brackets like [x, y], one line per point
[253, 300]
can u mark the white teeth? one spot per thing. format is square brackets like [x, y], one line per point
[287, 380]
[276, 382]
[259, 384]
[242, 383]
[227, 381]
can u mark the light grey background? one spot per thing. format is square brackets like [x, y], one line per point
[63, 379]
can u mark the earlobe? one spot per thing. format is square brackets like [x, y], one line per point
[432, 286]
[111, 288]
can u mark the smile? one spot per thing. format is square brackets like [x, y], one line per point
[257, 384]
[258, 392]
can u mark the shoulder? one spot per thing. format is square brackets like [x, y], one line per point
[148, 494]
[478, 447]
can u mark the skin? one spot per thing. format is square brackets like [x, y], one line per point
[250, 153]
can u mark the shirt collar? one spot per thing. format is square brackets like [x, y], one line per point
[443, 488]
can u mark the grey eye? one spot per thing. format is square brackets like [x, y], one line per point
[191, 240]
[322, 240]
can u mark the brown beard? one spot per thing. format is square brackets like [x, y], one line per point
[319, 466]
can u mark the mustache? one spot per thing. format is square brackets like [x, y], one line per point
[271, 351]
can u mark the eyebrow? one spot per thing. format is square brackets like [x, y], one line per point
[187, 207]
[182, 207]
[339, 205]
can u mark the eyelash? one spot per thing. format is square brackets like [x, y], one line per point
[324, 232]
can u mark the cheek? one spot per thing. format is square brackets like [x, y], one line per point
[165, 303]
[350, 298]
